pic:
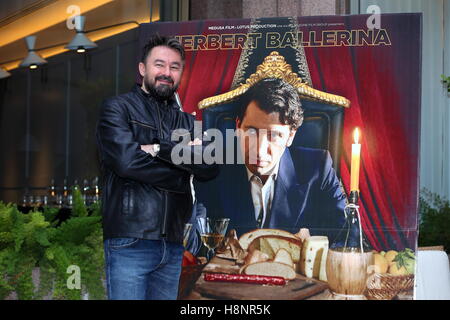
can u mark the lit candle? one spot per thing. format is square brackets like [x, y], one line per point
[356, 160]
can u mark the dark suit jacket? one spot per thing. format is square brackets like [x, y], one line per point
[307, 195]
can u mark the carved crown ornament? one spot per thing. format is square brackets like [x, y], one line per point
[275, 66]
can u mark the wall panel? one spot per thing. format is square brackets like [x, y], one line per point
[48, 100]
[435, 116]
[61, 101]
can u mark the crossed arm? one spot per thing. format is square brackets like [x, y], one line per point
[153, 149]
[129, 159]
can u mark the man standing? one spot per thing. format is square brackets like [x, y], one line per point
[146, 198]
[277, 186]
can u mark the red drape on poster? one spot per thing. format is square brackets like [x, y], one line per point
[208, 72]
[375, 80]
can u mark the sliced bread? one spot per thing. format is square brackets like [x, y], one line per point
[284, 256]
[255, 256]
[270, 244]
[271, 269]
[248, 237]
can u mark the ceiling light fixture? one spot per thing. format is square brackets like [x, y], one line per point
[80, 42]
[32, 60]
[97, 34]
[4, 73]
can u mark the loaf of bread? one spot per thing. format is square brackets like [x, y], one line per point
[303, 234]
[270, 268]
[283, 256]
[255, 256]
[270, 244]
[248, 237]
[278, 253]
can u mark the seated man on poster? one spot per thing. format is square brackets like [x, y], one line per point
[277, 186]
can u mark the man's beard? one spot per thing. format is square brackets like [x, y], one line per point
[162, 91]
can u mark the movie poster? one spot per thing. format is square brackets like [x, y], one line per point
[321, 195]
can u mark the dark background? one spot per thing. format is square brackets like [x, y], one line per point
[48, 116]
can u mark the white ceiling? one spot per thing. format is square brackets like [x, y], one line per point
[9, 9]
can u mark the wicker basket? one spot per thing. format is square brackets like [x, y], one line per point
[383, 286]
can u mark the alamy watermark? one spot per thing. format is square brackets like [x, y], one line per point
[74, 11]
[234, 146]
[374, 21]
[74, 280]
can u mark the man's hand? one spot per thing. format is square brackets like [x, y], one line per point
[196, 142]
[150, 148]
[154, 148]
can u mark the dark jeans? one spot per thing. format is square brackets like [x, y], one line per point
[139, 269]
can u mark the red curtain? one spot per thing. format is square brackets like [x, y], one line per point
[383, 85]
[208, 72]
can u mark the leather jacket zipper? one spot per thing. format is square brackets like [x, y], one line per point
[164, 224]
[161, 135]
[143, 124]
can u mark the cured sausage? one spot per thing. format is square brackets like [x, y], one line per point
[242, 278]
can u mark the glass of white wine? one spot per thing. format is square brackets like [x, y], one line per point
[212, 232]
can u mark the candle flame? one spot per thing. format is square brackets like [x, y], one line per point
[356, 136]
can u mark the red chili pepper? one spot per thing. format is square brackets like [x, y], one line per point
[242, 278]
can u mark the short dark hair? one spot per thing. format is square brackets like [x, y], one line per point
[158, 40]
[274, 95]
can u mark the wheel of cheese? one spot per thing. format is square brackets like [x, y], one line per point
[314, 256]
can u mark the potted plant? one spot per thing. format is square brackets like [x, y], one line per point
[434, 221]
[39, 242]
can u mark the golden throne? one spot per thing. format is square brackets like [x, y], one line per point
[323, 112]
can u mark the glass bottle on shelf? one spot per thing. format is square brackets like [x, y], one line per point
[25, 200]
[349, 256]
[86, 192]
[65, 194]
[52, 193]
[71, 190]
[59, 200]
[37, 201]
[30, 200]
[96, 190]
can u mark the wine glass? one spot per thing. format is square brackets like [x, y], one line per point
[212, 232]
[30, 201]
[59, 200]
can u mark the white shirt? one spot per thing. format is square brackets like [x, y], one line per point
[191, 181]
[262, 194]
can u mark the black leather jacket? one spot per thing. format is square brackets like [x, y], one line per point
[143, 196]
